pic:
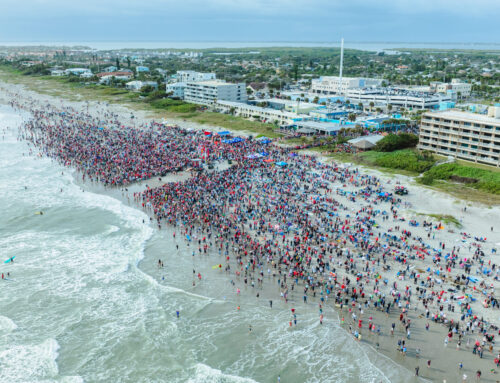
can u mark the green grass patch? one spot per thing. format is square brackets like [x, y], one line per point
[487, 180]
[409, 160]
[174, 106]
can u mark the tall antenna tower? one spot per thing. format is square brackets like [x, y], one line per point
[341, 65]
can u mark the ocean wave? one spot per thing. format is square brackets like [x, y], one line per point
[207, 374]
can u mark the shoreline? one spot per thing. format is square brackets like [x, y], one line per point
[383, 347]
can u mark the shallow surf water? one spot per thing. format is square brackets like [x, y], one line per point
[85, 301]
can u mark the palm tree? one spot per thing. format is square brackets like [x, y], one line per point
[372, 104]
[360, 105]
[352, 117]
[389, 107]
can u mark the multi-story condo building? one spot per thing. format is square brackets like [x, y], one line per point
[463, 135]
[192, 76]
[208, 92]
[336, 85]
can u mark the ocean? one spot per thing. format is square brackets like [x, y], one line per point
[85, 301]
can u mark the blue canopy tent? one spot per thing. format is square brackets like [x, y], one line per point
[224, 133]
[281, 163]
[263, 140]
[233, 140]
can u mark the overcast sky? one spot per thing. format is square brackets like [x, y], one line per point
[250, 20]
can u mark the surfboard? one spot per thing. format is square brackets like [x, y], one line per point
[10, 259]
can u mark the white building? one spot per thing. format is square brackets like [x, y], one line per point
[176, 89]
[57, 72]
[192, 76]
[77, 71]
[290, 106]
[138, 85]
[401, 98]
[269, 115]
[462, 89]
[333, 85]
[208, 92]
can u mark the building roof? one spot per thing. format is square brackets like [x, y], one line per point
[114, 74]
[364, 144]
[258, 108]
[372, 139]
[210, 82]
[320, 126]
[469, 116]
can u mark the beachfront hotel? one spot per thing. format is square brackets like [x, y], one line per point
[209, 92]
[463, 135]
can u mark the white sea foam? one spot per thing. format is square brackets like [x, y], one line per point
[7, 324]
[29, 363]
[207, 374]
[71, 379]
[112, 229]
[172, 289]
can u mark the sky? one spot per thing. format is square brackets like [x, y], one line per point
[250, 20]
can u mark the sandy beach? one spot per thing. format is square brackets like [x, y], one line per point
[479, 229]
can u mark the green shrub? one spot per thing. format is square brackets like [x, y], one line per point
[401, 159]
[406, 160]
[488, 180]
[393, 142]
[426, 179]
[176, 106]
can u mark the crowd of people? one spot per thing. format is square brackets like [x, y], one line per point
[322, 230]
